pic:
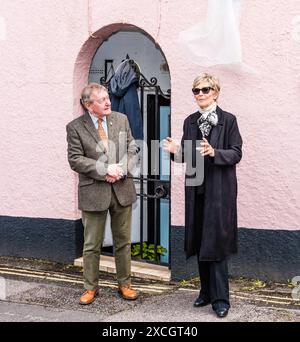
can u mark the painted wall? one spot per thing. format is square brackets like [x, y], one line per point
[44, 42]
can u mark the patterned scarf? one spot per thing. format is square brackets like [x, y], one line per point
[207, 121]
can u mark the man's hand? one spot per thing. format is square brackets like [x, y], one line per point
[111, 179]
[114, 173]
[115, 170]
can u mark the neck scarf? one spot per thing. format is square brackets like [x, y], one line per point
[208, 119]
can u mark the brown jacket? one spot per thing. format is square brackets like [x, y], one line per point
[88, 158]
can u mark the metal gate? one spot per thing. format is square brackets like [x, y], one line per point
[153, 186]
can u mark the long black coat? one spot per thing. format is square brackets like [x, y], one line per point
[219, 229]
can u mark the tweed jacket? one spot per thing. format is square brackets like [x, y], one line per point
[88, 157]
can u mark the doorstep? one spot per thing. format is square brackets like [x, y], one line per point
[138, 269]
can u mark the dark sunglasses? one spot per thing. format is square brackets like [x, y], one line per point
[205, 90]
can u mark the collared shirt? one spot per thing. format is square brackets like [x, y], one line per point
[95, 122]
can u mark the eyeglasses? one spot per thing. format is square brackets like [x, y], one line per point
[205, 90]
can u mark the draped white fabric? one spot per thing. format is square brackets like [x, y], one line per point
[2, 29]
[217, 39]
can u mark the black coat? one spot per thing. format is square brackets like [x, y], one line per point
[219, 226]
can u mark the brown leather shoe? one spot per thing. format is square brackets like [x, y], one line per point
[127, 292]
[88, 297]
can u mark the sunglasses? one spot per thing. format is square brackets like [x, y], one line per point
[205, 90]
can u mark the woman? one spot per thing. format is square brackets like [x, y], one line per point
[210, 207]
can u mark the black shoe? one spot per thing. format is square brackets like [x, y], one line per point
[221, 312]
[201, 302]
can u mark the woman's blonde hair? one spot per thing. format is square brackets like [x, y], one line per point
[211, 80]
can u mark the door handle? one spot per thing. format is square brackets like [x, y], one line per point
[160, 191]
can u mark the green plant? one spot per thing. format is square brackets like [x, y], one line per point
[254, 284]
[148, 251]
[290, 284]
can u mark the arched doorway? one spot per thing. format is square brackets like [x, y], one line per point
[97, 62]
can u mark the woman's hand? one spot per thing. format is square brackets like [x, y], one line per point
[170, 146]
[206, 149]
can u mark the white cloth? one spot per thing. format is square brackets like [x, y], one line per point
[217, 39]
[208, 109]
[208, 119]
[2, 29]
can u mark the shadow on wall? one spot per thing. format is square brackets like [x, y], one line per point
[269, 255]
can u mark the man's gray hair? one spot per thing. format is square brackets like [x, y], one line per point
[88, 90]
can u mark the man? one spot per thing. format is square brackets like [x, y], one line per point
[101, 149]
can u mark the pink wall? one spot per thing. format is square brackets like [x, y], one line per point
[44, 62]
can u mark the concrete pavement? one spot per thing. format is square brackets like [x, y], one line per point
[39, 294]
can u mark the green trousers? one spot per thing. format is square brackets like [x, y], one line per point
[94, 227]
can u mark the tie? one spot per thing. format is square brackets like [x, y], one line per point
[102, 134]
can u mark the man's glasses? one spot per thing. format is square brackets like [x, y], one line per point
[205, 90]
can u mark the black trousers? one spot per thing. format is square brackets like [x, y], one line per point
[213, 274]
[214, 282]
